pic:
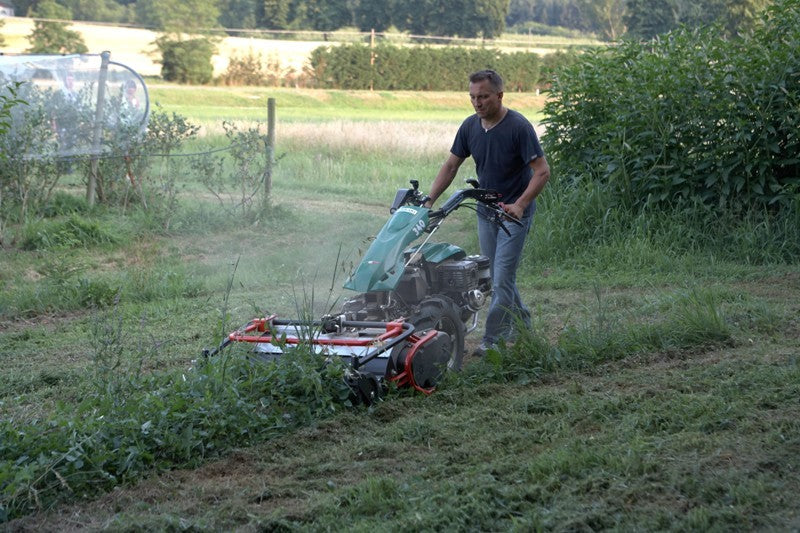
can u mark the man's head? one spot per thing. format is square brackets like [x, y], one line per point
[494, 79]
[486, 94]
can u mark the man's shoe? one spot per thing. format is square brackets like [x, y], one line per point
[481, 350]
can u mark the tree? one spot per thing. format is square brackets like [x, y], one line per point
[648, 18]
[275, 14]
[23, 8]
[238, 13]
[741, 15]
[186, 61]
[178, 15]
[372, 15]
[322, 15]
[53, 37]
[492, 17]
[604, 16]
[452, 17]
[99, 10]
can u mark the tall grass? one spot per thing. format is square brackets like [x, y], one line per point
[583, 228]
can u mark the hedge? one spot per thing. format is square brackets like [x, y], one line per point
[390, 67]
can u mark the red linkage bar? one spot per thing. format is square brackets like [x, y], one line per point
[393, 329]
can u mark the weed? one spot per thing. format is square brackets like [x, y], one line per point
[160, 422]
[75, 231]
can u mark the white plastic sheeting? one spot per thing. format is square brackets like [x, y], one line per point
[59, 116]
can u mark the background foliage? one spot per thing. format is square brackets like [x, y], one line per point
[186, 60]
[390, 67]
[487, 18]
[54, 37]
[690, 117]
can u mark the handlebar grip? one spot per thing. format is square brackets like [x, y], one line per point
[502, 215]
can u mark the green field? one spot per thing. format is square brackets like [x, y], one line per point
[658, 391]
[213, 104]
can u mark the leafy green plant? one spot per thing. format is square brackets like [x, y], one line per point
[147, 423]
[186, 61]
[236, 183]
[8, 99]
[683, 118]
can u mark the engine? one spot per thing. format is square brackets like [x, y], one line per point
[466, 281]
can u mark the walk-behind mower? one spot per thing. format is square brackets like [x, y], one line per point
[415, 303]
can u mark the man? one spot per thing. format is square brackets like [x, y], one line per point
[509, 159]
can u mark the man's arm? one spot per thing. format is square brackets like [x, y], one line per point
[541, 174]
[444, 178]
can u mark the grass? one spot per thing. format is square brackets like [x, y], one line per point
[213, 104]
[657, 391]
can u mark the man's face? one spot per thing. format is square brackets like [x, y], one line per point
[485, 100]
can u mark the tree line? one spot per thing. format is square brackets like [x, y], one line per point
[608, 19]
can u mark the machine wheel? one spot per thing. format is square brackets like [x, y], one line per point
[365, 389]
[441, 313]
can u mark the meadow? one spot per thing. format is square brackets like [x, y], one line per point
[658, 390]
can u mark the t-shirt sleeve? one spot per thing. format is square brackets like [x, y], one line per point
[531, 148]
[460, 146]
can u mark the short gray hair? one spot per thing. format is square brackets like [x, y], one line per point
[494, 79]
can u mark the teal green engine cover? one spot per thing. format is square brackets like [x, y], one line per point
[382, 265]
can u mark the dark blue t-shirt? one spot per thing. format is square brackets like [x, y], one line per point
[502, 155]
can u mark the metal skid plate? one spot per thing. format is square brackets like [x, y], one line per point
[366, 346]
[347, 345]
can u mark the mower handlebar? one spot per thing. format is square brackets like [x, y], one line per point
[489, 198]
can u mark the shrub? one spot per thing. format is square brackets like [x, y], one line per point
[252, 69]
[245, 70]
[186, 61]
[28, 170]
[240, 188]
[690, 116]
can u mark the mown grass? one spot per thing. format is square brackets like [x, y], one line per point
[654, 393]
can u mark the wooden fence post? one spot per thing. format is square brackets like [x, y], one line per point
[270, 142]
[91, 186]
[372, 59]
